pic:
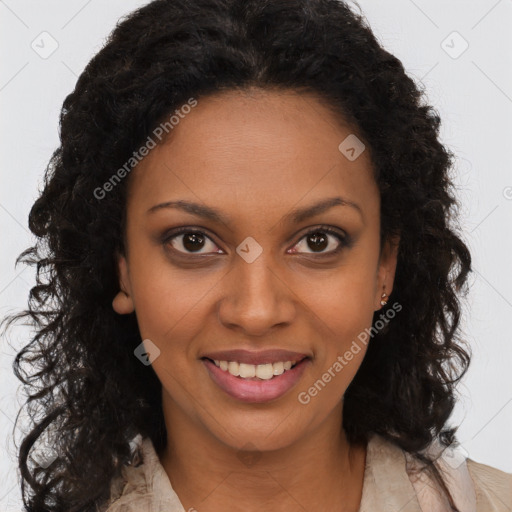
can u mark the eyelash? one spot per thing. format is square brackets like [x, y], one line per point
[344, 239]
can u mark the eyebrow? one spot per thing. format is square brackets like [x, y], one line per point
[295, 216]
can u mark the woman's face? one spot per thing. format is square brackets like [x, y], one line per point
[254, 280]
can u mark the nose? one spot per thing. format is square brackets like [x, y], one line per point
[256, 298]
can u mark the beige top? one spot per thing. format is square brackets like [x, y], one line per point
[389, 484]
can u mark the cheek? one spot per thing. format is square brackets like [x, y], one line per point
[341, 308]
[171, 306]
[168, 300]
[341, 302]
[342, 321]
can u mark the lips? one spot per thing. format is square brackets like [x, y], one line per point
[255, 390]
[255, 357]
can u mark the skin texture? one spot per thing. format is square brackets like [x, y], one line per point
[255, 155]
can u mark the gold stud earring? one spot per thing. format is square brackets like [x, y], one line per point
[383, 300]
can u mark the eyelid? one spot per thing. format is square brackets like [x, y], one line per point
[344, 238]
[175, 232]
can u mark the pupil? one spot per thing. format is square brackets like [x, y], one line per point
[193, 241]
[319, 241]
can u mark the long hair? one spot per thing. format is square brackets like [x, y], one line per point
[87, 394]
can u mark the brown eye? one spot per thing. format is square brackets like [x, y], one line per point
[322, 241]
[317, 241]
[189, 241]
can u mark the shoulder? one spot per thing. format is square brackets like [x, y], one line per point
[144, 485]
[493, 487]
[474, 487]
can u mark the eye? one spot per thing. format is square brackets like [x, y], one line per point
[189, 241]
[321, 238]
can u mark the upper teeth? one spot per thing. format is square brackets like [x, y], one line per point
[247, 371]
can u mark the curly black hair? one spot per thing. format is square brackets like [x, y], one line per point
[85, 389]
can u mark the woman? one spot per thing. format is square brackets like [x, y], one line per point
[254, 276]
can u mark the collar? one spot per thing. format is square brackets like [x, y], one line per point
[388, 484]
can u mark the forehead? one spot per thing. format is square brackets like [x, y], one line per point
[257, 148]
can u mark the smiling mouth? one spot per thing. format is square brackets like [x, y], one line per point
[253, 389]
[261, 372]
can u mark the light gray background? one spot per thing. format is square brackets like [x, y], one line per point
[473, 93]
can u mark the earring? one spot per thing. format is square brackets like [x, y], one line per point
[383, 300]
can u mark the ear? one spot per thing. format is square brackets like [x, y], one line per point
[386, 270]
[123, 301]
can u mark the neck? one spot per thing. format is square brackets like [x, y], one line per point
[320, 471]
